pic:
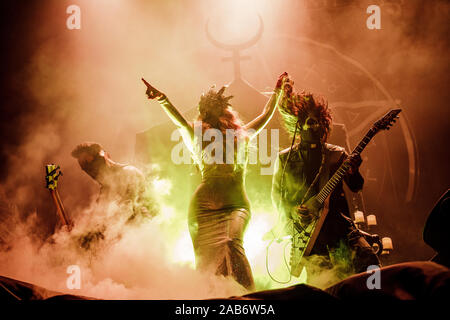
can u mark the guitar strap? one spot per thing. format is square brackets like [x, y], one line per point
[326, 170]
[317, 178]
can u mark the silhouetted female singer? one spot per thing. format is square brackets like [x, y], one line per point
[219, 209]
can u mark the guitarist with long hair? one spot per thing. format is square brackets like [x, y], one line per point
[302, 170]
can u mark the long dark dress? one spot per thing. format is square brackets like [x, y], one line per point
[218, 215]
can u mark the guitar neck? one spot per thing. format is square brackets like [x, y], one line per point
[65, 220]
[339, 174]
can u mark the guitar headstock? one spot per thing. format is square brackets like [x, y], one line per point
[52, 174]
[387, 121]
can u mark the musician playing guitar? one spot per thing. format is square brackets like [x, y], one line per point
[302, 170]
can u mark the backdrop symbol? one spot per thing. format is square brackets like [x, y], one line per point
[236, 57]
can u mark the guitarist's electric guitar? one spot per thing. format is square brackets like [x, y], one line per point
[52, 174]
[304, 236]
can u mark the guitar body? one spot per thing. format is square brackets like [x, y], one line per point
[312, 206]
[304, 236]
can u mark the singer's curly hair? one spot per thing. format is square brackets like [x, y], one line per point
[296, 108]
[216, 112]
